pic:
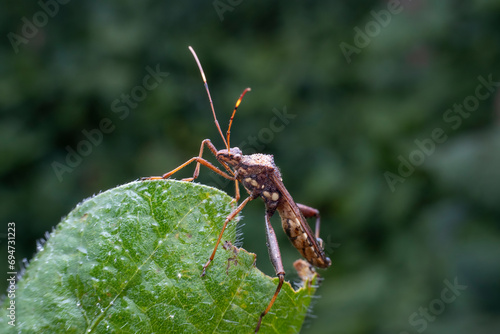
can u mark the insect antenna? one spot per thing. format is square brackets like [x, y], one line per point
[228, 133]
[209, 97]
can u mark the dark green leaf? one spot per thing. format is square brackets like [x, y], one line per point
[129, 261]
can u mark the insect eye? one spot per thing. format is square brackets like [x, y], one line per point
[237, 156]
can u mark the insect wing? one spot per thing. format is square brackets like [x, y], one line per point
[305, 226]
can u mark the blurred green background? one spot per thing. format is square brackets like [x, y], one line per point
[358, 102]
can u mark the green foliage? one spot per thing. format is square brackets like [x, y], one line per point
[129, 261]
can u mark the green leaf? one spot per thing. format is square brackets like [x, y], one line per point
[129, 261]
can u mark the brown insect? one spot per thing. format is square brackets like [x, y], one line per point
[261, 178]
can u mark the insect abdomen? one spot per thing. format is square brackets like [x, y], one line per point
[300, 239]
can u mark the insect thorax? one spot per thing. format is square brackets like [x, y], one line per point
[257, 172]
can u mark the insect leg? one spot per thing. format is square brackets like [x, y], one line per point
[212, 148]
[199, 161]
[309, 212]
[236, 190]
[228, 219]
[275, 256]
